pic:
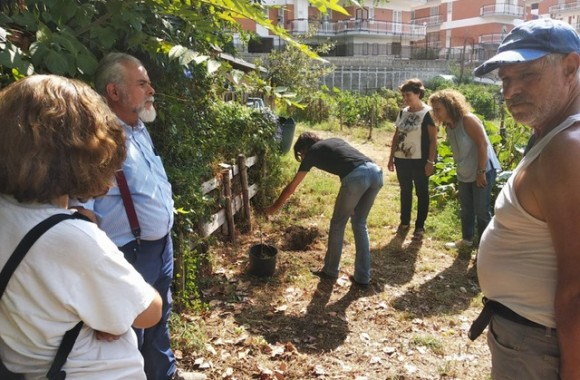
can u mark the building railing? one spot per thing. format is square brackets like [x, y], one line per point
[502, 9]
[429, 21]
[491, 38]
[564, 7]
[356, 26]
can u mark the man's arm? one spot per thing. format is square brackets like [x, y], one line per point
[558, 197]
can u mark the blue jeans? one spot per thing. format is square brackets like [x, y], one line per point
[412, 172]
[522, 352]
[475, 204]
[355, 198]
[154, 260]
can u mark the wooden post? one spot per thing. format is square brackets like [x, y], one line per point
[227, 183]
[243, 172]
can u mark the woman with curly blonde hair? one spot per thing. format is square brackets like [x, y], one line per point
[58, 139]
[477, 164]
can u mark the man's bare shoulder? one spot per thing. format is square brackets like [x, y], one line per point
[564, 147]
[552, 180]
[558, 166]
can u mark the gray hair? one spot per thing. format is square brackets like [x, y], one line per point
[111, 70]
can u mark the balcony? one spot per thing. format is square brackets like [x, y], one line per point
[491, 39]
[408, 3]
[502, 9]
[564, 8]
[429, 21]
[356, 27]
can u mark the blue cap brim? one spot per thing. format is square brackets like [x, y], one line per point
[508, 57]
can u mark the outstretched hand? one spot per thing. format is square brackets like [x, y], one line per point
[270, 210]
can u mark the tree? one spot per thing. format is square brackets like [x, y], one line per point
[68, 37]
[176, 40]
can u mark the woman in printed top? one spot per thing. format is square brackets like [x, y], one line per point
[360, 178]
[413, 154]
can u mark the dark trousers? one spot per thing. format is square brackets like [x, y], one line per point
[411, 173]
[154, 260]
[475, 204]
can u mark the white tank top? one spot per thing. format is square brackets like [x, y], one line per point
[516, 262]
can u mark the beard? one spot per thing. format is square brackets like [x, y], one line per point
[147, 115]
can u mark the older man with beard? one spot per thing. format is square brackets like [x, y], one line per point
[528, 262]
[137, 213]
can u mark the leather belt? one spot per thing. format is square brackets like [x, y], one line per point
[490, 308]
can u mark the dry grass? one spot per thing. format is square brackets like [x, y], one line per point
[410, 324]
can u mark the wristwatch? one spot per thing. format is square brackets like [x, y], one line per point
[481, 171]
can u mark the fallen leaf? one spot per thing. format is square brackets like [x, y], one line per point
[281, 308]
[365, 337]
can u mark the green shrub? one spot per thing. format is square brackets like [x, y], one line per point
[194, 133]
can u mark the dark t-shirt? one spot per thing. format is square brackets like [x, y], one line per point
[333, 155]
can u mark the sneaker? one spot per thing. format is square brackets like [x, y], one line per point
[459, 244]
[418, 233]
[359, 284]
[322, 274]
[402, 229]
[183, 375]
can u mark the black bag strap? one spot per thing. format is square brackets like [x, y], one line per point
[67, 343]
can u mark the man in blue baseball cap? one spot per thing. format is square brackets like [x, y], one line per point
[533, 40]
[529, 256]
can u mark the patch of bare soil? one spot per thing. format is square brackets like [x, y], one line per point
[410, 323]
[298, 238]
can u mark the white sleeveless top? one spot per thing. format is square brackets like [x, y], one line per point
[516, 263]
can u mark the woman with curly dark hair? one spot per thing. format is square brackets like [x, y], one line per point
[413, 154]
[361, 179]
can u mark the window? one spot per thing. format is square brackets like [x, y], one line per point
[397, 21]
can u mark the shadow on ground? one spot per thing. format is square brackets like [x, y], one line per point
[321, 325]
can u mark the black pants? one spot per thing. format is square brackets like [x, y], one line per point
[412, 173]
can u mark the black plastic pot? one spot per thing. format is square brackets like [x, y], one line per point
[263, 260]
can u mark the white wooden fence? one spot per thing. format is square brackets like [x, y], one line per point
[233, 203]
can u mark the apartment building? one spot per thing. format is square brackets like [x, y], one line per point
[565, 10]
[471, 29]
[374, 29]
[380, 44]
[416, 29]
